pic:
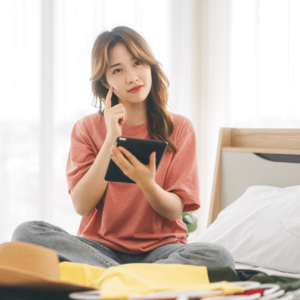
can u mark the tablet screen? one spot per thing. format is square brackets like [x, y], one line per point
[141, 149]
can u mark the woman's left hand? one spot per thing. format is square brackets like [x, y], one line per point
[143, 175]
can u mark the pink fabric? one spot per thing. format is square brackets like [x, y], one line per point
[124, 220]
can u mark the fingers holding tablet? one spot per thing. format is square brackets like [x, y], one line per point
[136, 158]
[135, 170]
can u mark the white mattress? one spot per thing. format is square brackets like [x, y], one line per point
[267, 271]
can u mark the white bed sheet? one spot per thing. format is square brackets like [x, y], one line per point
[267, 271]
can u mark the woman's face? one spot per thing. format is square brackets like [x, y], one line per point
[128, 73]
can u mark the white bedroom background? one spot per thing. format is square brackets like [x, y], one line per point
[249, 74]
[230, 63]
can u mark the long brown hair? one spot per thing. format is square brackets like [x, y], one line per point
[160, 121]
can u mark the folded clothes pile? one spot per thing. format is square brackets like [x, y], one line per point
[32, 272]
[151, 281]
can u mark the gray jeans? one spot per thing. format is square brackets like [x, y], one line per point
[81, 250]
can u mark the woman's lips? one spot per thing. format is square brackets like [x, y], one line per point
[136, 90]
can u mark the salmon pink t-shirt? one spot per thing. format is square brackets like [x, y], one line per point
[123, 219]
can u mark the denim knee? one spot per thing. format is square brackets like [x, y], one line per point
[24, 231]
[209, 254]
[224, 257]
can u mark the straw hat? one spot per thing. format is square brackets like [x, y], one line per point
[32, 267]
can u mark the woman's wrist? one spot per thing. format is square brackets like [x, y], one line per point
[109, 141]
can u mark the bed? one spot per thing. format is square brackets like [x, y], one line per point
[255, 167]
[255, 203]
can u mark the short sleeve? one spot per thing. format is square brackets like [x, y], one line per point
[182, 176]
[81, 157]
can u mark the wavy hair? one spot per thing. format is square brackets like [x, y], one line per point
[160, 121]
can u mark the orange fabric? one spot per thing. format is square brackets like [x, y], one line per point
[124, 220]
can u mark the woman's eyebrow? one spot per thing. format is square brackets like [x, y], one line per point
[119, 64]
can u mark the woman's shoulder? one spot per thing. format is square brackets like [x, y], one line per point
[90, 119]
[90, 122]
[182, 123]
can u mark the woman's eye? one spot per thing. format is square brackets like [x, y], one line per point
[117, 70]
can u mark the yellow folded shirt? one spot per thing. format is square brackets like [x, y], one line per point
[141, 278]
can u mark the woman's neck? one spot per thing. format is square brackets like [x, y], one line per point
[136, 113]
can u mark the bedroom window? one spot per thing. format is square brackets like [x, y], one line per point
[265, 63]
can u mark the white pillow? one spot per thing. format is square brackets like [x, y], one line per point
[261, 228]
[293, 226]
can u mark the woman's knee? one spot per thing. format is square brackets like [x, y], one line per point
[224, 257]
[25, 231]
[212, 255]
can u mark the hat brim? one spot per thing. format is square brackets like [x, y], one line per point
[15, 278]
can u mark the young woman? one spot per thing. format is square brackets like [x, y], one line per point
[123, 222]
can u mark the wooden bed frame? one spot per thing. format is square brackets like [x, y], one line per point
[239, 142]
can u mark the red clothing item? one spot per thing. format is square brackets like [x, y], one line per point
[251, 292]
[123, 219]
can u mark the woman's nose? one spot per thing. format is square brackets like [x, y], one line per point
[132, 76]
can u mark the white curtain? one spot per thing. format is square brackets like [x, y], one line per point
[45, 70]
[230, 63]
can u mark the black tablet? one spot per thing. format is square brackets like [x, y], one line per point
[141, 149]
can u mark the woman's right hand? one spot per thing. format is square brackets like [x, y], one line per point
[114, 116]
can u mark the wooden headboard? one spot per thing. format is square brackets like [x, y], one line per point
[240, 163]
